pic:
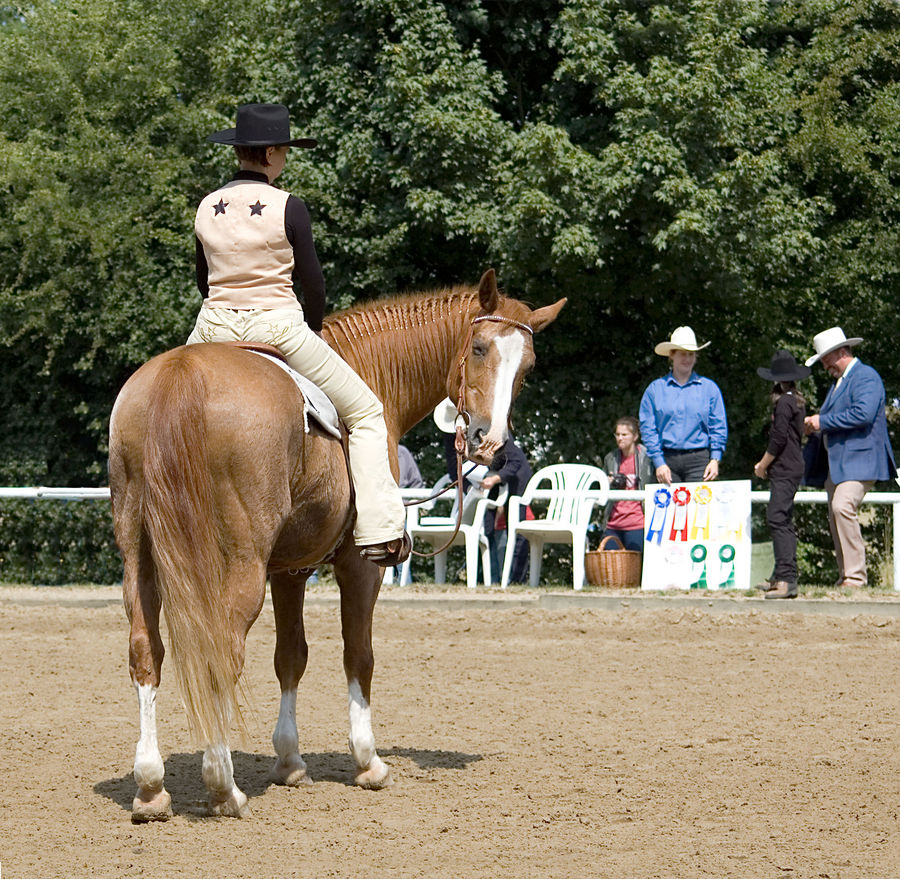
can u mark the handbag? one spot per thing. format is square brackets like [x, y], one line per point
[815, 461]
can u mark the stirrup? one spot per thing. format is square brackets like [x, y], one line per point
[390, 553]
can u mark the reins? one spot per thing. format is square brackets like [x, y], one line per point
[459, 443]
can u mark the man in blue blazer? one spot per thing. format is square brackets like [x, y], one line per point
[854, 427]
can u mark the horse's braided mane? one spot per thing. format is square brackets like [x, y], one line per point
[401, 312]
[417, 329]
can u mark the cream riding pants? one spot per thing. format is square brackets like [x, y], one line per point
[380, 515]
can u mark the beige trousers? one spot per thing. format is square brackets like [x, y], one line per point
[849, 547]
[380, 515]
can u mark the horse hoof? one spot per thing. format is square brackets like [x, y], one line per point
[290, 772]
[376, 777]
[155, 808]
[235, 805]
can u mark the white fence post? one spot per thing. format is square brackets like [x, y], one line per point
[895, 548]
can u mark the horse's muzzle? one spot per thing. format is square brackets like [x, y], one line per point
[486, 448]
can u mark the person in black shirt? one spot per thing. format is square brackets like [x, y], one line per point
[511, 468]
[782, 464]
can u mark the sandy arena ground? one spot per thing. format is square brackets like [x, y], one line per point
[525, 742]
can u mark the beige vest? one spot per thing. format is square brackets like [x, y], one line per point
[250, 260]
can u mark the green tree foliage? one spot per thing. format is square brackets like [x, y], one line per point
[665, 185]
[845, 60]
[731, 164]
[102, 162]
[93, 251]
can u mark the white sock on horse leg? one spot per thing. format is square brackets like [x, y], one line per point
[362, 739]
[285, 740]
[148, 763]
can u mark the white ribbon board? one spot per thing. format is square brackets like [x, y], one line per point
[697, 536]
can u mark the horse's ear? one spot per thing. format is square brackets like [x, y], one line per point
[488, 295]
[542, 317]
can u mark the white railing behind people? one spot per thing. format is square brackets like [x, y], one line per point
[756, 497]
[815, 497]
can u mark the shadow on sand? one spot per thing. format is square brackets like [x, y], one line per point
[251, 771]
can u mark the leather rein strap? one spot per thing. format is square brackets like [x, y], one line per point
[462, 415]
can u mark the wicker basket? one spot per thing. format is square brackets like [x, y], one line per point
[615, 568]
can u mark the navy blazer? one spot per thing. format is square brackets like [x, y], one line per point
[855, 427]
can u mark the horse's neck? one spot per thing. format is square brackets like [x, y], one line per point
[404, 350]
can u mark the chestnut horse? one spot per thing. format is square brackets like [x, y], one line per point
[215, 486]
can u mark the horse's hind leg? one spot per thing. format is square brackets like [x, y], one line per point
[226, 799]
[145, 655]
[244, 589]
[359, 582]
[291, 653]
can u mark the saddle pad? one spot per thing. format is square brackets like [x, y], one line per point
[316, 402]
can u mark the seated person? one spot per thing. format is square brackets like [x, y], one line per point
[628, 467]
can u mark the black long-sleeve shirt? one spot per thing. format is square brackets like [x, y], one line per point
[785, 436]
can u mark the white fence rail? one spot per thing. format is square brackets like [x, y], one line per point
[820, 497]
[756, 497]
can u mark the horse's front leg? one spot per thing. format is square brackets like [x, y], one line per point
[359, 583]
[291, 654]
[145, 655]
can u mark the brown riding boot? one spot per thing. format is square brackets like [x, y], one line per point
[389, 553]
[782, 589]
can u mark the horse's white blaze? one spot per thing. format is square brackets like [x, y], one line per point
[148, 762]
[284, 738]
[511, 349]
[362, 739]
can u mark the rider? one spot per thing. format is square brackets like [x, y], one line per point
[254, 249]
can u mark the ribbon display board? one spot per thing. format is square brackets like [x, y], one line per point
[697, 536]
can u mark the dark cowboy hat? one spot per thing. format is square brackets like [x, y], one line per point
[261, 125]
[784, 368]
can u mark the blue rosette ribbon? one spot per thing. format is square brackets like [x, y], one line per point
[662, 497]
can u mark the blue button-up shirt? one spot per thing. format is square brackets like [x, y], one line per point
[688, 416]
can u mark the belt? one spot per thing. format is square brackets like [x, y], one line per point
[685, 451]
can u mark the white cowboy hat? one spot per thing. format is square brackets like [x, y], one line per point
[828, 341]
[445, 416]
[683, 339]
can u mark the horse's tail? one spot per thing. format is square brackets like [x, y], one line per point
[181, 519]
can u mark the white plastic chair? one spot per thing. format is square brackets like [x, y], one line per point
[436, 530]
[573, 491]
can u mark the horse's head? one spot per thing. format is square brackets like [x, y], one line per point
[492, 364]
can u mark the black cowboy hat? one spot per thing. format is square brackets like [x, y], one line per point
[784, 368]
[261, 125]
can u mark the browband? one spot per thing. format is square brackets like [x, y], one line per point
[504, 320]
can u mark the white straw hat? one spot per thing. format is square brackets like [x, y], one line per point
[445, 415]
[683, 339]
[828, 341]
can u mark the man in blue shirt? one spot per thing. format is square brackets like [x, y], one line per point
[682, 416]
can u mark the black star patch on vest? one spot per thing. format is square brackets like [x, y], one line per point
[220, 207]
[256, 209]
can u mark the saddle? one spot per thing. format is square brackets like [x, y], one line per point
[316, 403]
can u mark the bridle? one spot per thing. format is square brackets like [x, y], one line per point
[462, 423]
[463, 360]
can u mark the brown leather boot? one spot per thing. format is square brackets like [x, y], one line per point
[782, 589]
[389, 553]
